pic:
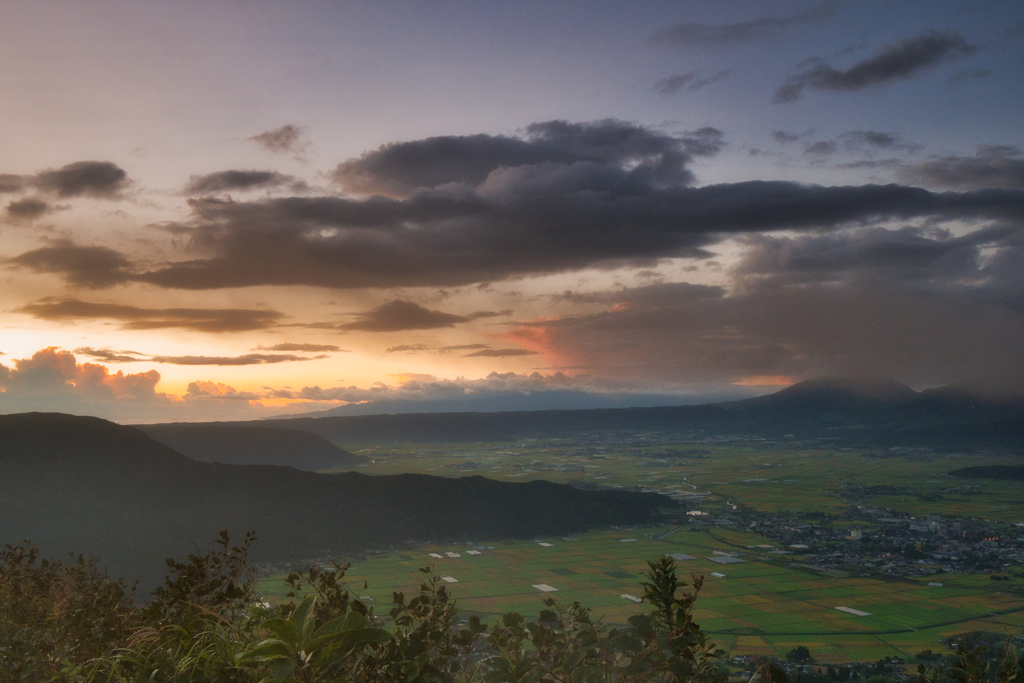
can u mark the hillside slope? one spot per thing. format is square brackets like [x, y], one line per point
[242, 445]
[84, 484]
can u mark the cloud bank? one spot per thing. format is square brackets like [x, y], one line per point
[288, 139]
[719, 36]
[53, 379]
[906, 59]
[464, 210]
[916, 303]
[226, 181]
[136, 318]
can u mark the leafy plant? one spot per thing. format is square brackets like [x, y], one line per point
[220, 582]
[972, 665]
[52, 612]
[306, 653]
[328, 585]
[677, 648]
[427, 645]
[568, 647]
[207, 624]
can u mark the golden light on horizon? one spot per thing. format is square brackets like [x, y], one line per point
[765, 381]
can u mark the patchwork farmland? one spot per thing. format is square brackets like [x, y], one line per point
[759, 606]
[759, 596]
[765, 477]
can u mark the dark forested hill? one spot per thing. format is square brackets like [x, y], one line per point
[242, 445]
[85, 484]
[1002, 472]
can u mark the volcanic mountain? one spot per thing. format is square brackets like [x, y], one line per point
[839, 411]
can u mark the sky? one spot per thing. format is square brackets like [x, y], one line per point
[237, 210]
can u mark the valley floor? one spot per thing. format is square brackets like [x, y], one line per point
[786, 510]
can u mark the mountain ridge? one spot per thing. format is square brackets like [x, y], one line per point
[87, 485]
[853, 412]
[240, 445]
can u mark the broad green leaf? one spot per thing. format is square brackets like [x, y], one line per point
[336, 627]
[271, 648]
[284, 629]
[302, 617]
[282, 669]
[350, 641]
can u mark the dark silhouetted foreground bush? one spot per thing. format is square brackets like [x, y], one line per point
[71, 622]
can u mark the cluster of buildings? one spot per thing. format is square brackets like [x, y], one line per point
[865, 540]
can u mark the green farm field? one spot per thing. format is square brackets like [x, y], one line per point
[766, 605]
[760, 606]
[764, 479]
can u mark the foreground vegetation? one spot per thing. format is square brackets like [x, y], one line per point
[71, 622]
[763, 606]
[68, 621]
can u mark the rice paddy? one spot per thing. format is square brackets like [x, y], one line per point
[766, 479]
[754, 600]
[759, 606]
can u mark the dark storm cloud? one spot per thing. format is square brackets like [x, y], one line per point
[11, 183]
[858, 139]
[717, 36]
[398, 315]
[499, 353]
[621, 195]
[904, 60]
[691, 81]
[399, 168]
[917, 305]
[420, 348]
[28, 209]
[872, 163]
[463, 347]
[785, 137]
[992, 166]
[872, 137]
[476, 315]
[224, 181]
[84, 179]
[245, 359]
[407, 348]
[582, 298]
[110, 355]
[822, 148]
[136, 318]
[102, 179]
[910, 253]
[89, 267]
[308, 348]
[289, 138]
[541, 222]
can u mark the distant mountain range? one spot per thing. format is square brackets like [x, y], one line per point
[87, 485]
[844, 412]
[131, 496]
